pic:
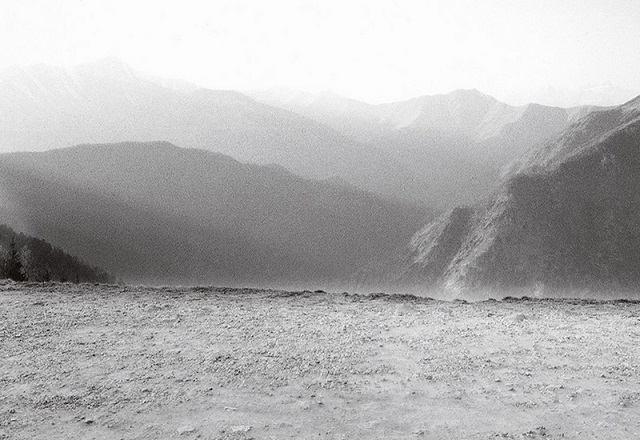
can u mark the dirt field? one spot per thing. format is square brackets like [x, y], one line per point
[86, 362]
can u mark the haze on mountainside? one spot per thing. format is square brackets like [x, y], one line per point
[152, 212]
[404, 150]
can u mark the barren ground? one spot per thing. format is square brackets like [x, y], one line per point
[107, 362]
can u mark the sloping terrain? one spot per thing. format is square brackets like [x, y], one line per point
[568, 217]
[156, 213]
[122, 362]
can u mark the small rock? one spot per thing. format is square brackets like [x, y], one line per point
[186, 430]
[520, 317]
[240, 429]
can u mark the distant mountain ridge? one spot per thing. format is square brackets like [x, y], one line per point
[105, 102]
[467, 112]
[433, 151]
[156, 213]
[567, 218]
[455, 146]
[603, 94]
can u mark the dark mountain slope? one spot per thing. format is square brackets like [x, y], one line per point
[567, 218]
[153, 212]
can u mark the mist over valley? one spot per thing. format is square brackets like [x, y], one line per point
[159, 181]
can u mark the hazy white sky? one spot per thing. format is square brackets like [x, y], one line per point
[373, 50]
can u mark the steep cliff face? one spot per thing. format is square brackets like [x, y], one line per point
[436, 245]
[568, 217]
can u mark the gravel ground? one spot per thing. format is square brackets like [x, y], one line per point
[114, 362]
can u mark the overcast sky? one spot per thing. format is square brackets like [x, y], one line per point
[372, 50]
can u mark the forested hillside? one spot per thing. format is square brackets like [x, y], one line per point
[26, 258]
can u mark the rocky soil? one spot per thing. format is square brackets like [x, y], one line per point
[114, 362]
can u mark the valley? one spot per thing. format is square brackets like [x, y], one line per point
[196, 186]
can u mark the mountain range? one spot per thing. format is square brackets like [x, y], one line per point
[43, 107]
[434, 151]
[155, 213]
[601, 94]
[169, 183]
[455, 146]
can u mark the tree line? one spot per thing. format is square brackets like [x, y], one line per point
[26, 258]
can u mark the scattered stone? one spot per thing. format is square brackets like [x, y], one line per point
[186, 430]
[303, 350]
[540, 431]
[520, 317]
[240, 429]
